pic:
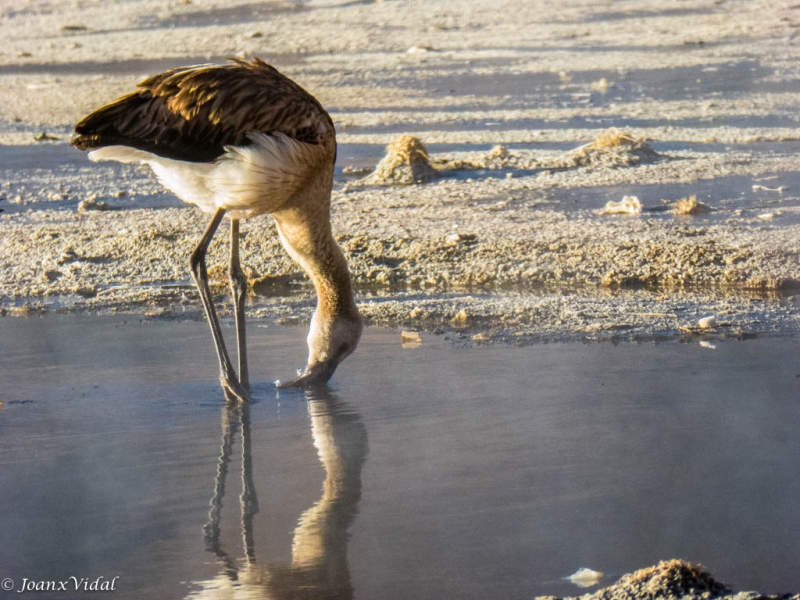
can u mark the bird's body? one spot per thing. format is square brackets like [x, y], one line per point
[239, 137]
[242, 139]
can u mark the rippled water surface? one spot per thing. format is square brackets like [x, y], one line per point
[433, 472]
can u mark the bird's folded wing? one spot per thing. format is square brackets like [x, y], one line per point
[193, 113]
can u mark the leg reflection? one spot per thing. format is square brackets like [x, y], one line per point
[233, 416]
[319, 548]
[248, 501]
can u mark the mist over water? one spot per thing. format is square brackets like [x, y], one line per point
[429, 472]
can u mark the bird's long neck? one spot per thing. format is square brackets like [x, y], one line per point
[309, 240]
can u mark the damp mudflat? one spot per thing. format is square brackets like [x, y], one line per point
[430, 472]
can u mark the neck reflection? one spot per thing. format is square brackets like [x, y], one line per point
[319, 547]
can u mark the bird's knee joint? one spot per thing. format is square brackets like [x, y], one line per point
[196, 261]
[237, 279]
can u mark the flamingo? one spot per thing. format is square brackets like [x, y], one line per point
[242, 140]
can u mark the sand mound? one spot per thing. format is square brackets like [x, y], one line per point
[406, 162]
[612, 148]
[668, 579]
[497, 158]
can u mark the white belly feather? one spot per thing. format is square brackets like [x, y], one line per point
[246, 180]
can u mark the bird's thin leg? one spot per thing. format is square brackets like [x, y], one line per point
[233, 390]
[239, 291]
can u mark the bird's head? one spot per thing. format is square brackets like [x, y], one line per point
[330, 341]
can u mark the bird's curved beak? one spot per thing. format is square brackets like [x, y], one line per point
[315, 375]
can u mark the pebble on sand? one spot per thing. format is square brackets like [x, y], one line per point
[707, 322]
[585, 577]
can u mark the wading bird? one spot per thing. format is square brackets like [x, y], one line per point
[243, 140]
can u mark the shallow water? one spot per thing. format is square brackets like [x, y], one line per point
[429, 472]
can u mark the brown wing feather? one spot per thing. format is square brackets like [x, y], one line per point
[192, 113]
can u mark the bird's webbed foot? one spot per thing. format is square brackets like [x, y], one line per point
[233, 390]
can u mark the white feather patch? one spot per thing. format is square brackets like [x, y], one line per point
[187, 180]
[123, 154]
[262, 177]
[246, 180]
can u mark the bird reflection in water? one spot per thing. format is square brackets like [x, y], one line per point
[319, 548]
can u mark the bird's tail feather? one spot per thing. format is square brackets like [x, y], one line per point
[123, 154]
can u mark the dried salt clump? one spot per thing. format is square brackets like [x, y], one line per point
[707, 323]
[781, 189]
[612, 148]
[45, 137]
[668, 579]
[406, 162]
[498, 152]
[92, 203]
[498, 157]
[602, 86]
[690, 206]
[460, 320]
[629, 205]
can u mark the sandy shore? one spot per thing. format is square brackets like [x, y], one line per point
[511, 250]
